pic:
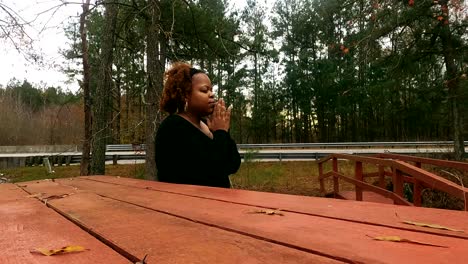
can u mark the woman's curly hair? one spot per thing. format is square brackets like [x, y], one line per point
[177, 86]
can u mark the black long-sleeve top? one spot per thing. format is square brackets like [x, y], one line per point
[185, 155]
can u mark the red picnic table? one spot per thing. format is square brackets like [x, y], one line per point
[122, 220]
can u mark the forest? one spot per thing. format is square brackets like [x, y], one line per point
[294, 71]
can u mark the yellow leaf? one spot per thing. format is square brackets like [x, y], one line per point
[432, 226]
[403, 240]
[66, 249]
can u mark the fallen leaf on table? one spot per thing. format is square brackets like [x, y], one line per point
[55, 196]
[267, 212]
[63, 250]
[35, 195]
[403, 240]
[432, 226]
[436, 226]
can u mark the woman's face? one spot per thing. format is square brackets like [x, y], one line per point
[201, 101]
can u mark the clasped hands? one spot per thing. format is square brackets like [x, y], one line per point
[220, 119]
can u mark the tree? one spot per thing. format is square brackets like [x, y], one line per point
[101, 98]
[156, 60]
[85, 86]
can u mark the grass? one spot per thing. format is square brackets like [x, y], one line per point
[292, 177]
[39, 172]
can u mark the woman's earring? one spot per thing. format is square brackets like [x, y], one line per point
[186, 105]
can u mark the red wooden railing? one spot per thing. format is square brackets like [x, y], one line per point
[401, 172]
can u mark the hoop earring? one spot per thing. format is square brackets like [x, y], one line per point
[185, 106]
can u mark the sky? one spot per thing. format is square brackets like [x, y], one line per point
[48, 35]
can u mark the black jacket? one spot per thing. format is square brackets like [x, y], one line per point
[184, 154]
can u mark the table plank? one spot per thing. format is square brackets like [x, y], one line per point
[165, 238]
[25, 224]
[361, 212]
[329, 237]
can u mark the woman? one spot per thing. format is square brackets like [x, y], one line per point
[193, 145]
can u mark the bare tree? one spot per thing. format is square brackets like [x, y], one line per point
[85, 157]
[104, 87]
[156, 58]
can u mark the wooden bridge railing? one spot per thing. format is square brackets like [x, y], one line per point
[401, 172]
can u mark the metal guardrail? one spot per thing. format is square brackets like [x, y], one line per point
[350, 144]
[251, 152]
[134, 147]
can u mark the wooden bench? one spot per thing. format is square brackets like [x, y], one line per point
[121, 220]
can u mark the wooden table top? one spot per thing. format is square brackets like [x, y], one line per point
[121, 220]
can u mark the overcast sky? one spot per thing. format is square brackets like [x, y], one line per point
[47, 42]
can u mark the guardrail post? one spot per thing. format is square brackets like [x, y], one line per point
[358, 175]
[115, 158]
[336, 184]
[398, 183]
[381, 176]
[417, 188]
[322, 185]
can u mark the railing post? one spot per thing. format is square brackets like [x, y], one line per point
[358, 176]
[322, 185]
[381, 176]
[336, 184]
[398, 182]
[466, 201]
[417, 188]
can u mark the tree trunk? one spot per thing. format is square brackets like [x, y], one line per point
[104, 88]
[156, 58]
[452, 84]
[85, 155]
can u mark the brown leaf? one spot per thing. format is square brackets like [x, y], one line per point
[404, 240]
[267, 212]
[63, 250]
[35, 195]
[432, 226]
[51, 197]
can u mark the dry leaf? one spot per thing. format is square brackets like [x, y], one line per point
[267, 212]
[51, 197]
[403, 240]
[34, 195]
[436, 226]
[63, 250]
[432, 226]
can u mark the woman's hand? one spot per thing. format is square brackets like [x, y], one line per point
[221, 117]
